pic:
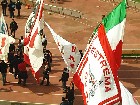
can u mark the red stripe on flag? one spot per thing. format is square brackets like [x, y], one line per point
[110, 57]
[26, 59]
[3, 42]
[41, 10]
[0, 51]
[31, 44]
[79, 85]
[35, 74]
[117, 54]
[76, 78]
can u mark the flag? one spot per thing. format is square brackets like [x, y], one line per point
[114, 25]
[33, 53]
[127, 98]
[69, 51]
[96, 75]
[5, 41]
[3, 26]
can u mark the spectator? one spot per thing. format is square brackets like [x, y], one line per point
[103, 16]
[13, 27]
[20, 48]
[46, 75]
[18, 6]
[11, 6]
[81, 53]
[4, 6]
[48, 57]
[22, 73]
[16, 61]
[64, 101]
[70, 94]
[22, 40]
[44, 41]
[12, 47]
[10, 60]
[64, 79]
[3, 69]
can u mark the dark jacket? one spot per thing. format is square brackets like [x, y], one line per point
[10, 57]
[4, 3]
[11, 6]
[11, 47]
[64, 77]
[18, 5]
[17, 60]
[13, 25]
[46, 73]
[3, 67]
[70, 95]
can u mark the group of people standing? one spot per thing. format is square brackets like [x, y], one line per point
[11, 7]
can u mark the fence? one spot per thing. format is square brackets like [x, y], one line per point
[56, 9]
[130, 3]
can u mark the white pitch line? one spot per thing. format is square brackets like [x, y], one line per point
[2, 100]
[13, 101]
[39, 103]
[26, 92]
[25, 102]
[52, 48]
[52, 76]
[57, 94]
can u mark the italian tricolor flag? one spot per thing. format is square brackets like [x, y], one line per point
[96, 76]
[114, 24]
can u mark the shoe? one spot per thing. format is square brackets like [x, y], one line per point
[16, 78]
[47, 85]
[19, 82]
[64, 92]
[24, 84]
[41, 83]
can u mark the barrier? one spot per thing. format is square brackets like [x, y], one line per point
[137, 5]
[131, 51]
[131, 3]
[47, 7]
[67, 11]
[55, 9]
[76, 14]
[60, 10]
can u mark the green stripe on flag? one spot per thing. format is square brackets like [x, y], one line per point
[115, 17]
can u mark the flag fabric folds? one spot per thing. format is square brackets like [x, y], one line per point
[5, 41]
[69, 51]
[96, 75]
[3, 26]
[33, 50]
[127, 98]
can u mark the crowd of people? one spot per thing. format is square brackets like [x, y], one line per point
[16, 64]
[11, 7]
